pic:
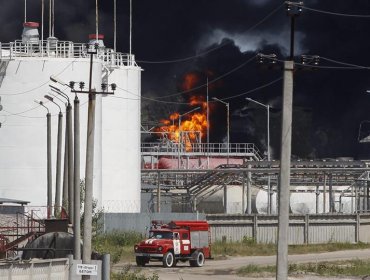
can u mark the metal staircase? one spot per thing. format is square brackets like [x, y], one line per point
[20, 227]
[3, 67]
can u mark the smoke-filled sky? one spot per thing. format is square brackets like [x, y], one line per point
[219, 39]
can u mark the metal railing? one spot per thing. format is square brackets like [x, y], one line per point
[235, 149]
[63, 49]
[20, 227]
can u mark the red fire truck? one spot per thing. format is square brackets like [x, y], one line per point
[176, 241]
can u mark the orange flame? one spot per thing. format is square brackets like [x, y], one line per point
[193, 124]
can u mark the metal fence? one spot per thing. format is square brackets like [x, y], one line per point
[303, 229]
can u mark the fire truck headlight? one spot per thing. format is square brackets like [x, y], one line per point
[136, 248]
[160, 248]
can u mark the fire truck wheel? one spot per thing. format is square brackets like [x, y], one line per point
[140, 261]
[168, 259]
[199, 260]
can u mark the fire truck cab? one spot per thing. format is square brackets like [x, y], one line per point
[175, 241]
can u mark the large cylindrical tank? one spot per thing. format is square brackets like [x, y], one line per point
[121, 142]
[23, 165]
[302, 199]
[23, 151]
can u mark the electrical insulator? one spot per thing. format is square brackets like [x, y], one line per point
[82, 85]
[260, 58]
[113, 86]
[273, 58]
[104, 86]
[316, 60]
[72, 84]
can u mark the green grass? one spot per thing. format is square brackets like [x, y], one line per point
[120, 246]
[338, 268]
[129, 274]
[250, 248]
[256, 270]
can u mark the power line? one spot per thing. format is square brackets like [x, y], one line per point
[211, 81]
[345, 63]
[253, 90]
[40, 86]
[181, 103]
[211, 49]
[348, 66]
[19, 114]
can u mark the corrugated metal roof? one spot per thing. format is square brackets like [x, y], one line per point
[14, 201]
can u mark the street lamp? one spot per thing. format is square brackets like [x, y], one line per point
[76, 167]
[59, 153]
[180, 116]
[48, 152]
[268, 150]
[68, 153]
[228, 124]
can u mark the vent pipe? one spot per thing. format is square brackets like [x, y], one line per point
[96, 39]
[30, 32]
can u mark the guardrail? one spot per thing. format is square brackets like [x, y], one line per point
[201, 148]
[63, 49]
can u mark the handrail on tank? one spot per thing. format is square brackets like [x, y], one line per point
[63, 49]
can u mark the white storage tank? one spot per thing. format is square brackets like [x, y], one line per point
[26, 75]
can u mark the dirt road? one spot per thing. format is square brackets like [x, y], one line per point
[226, 269]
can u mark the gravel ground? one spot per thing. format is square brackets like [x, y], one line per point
[226, 269]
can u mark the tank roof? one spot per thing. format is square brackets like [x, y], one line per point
[13, 201]
[93, 36]
[31, 24]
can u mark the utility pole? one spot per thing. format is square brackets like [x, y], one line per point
[285, 157]
[284, 176]
[89, 172]
[77, 191]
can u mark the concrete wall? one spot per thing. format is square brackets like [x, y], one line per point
[56, 269]
[303, 229]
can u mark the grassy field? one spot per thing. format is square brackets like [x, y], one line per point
[251, 248]
[338, 268]
[120, 246]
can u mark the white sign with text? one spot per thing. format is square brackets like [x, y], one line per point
[87, 269]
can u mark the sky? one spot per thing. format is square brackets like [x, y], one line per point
[220, 39]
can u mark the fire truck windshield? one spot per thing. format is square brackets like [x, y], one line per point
[161, 235]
